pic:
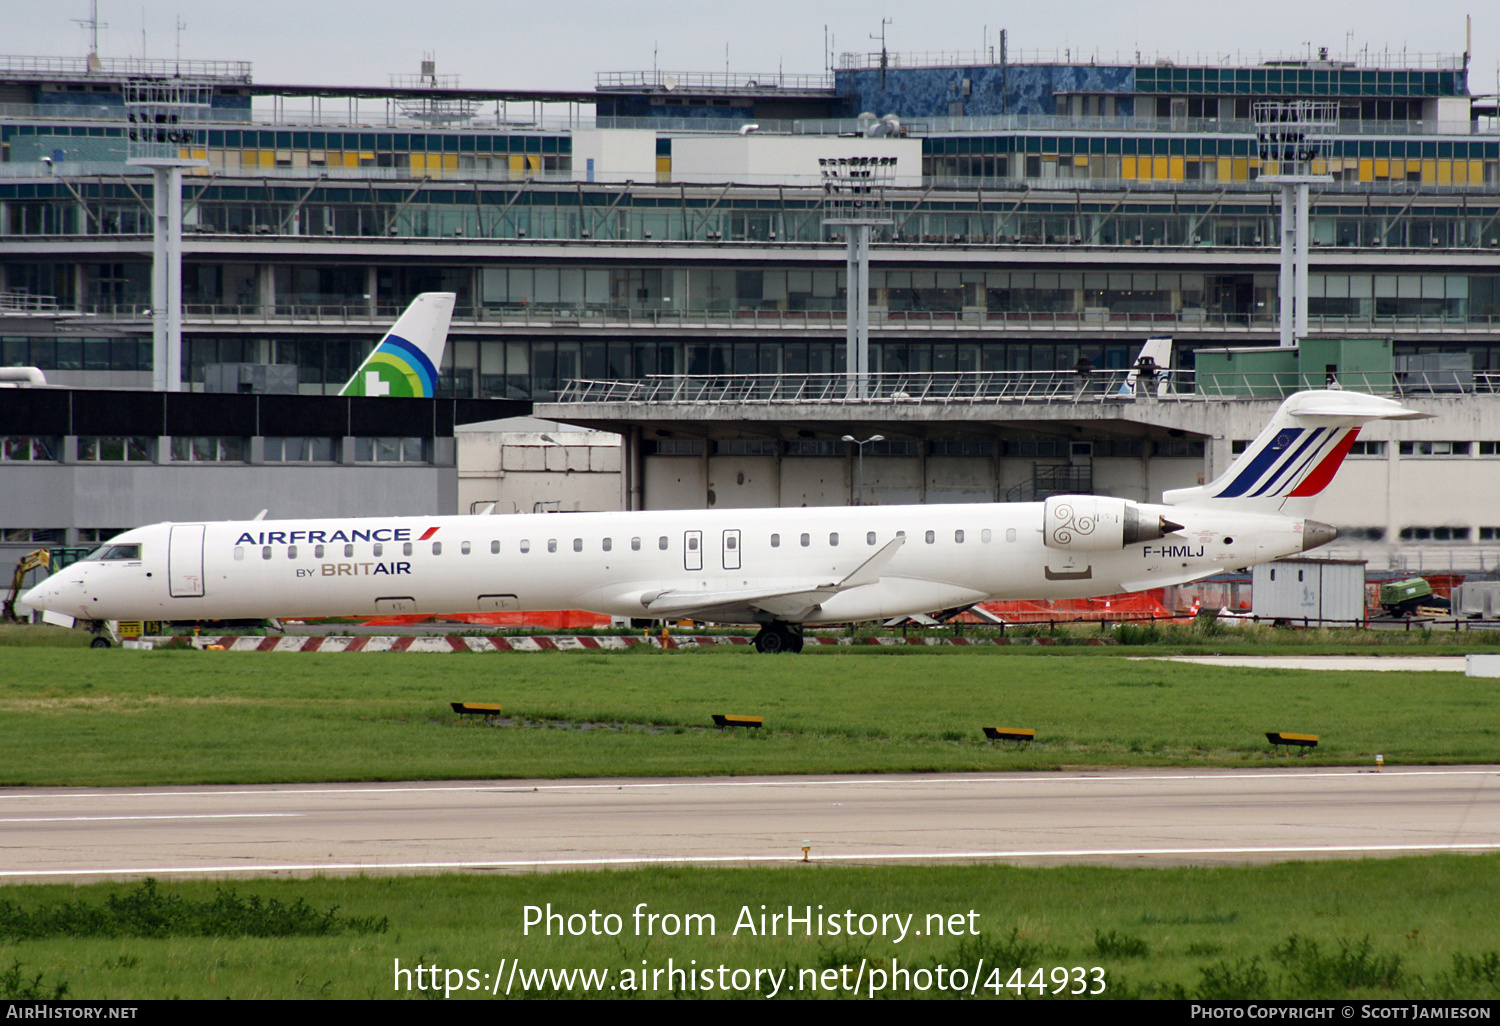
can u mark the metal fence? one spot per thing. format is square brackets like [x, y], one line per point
[968, 387]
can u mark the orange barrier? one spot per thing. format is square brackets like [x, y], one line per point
[1129, 606]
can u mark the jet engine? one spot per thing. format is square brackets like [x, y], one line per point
[1098, 523]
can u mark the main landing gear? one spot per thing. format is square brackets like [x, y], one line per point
[779, 637]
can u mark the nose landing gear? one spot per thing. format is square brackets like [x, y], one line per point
[779, 637]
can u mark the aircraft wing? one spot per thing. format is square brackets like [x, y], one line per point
[792, 601]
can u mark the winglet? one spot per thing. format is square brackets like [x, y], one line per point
[869, 571]
[407, 360]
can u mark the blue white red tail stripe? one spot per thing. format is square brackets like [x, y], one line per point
[1316, 440]
[1279, 468]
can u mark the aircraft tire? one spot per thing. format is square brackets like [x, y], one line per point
[775, 638]
[100, 642]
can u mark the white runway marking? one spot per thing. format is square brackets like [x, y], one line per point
[185, 815]
[649, 860]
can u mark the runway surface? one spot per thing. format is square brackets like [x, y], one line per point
[1439, 664]
[1148, 817]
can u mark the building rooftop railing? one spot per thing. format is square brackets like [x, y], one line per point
[904, 324]
[123, 67]
[387, 116]
[713, 81]
[906, 194]
[1364, 58]
[27, 303]
[971, 387]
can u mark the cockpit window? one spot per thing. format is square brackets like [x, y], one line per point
[109, 552]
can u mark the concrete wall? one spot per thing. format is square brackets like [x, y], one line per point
[618, 155]
[521, 471]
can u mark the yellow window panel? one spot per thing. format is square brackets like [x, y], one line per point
[1366, 170]
[1382, 169]
[663, 165]
[1429, 172]
[1175, 169]
[1445, 172]
[1080, 162]
[450, 161]
[1127, 167]
[1242, 169]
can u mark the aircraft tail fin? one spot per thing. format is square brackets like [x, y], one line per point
[407, 360]
[1296, 455]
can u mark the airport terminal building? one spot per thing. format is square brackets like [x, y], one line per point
[650, 259]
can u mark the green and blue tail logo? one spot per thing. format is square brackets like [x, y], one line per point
[396, 367]
[406, 361]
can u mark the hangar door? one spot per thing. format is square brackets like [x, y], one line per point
[185, 561]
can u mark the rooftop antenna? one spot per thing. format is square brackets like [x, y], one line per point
[177, 67]
[884, 58]
[92, 24]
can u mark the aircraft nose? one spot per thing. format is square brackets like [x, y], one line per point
[1315, 533]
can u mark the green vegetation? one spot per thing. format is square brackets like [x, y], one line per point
[82, 717]
[1397, 928]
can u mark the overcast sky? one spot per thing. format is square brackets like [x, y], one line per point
[562, 43]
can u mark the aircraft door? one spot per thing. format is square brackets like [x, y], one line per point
[692, 550]
[185, 561]
[731, 550]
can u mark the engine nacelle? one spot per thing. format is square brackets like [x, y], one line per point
[1098, 523]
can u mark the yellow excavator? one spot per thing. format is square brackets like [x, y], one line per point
[40, 559]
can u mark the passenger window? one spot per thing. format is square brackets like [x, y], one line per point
[806, 540]
[464, 548]
[437, 548]
[239, 552]
[349, 551]
[635, 545]
[577, 544]
[833, 538]
[775, 541]
[958, 536]
[931, 537]
[406, 549]
[662, 543]
[525, 546]
[291, 552]
[317, 552]
[379, 550]
[494, 548]
[1010, 534]
[870, 538]
[984, 536]
[265, 553]
[732, 542]
[551, 544]
[693, 543]
[900, 534]
[609, 543]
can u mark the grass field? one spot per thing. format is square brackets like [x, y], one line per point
[79, 716]
[1401, 928]
[1407, 928]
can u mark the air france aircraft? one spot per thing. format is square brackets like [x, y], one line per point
[779, 568]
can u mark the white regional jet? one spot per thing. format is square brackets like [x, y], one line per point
[780, 568]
